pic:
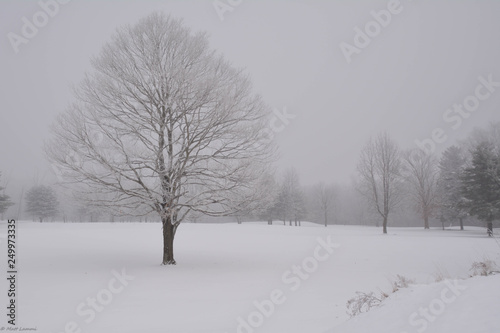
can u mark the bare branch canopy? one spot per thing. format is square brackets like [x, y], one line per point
[162, 123]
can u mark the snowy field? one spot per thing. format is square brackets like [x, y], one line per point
[229, 278]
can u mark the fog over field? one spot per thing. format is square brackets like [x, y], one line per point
[228, 152]
[428, 58]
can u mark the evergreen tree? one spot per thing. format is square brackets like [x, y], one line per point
[41, 202]
[481, 184]
[451, 168]
[5, 202]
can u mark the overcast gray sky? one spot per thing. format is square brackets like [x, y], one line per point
[426, 59]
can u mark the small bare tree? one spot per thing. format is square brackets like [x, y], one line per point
[379, 168]
[163, 124]
[291, 199]
[266, 207]
[324, 196]
[421, 172]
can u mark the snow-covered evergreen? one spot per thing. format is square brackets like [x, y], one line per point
[481, 184]
[451, 167]
[41, 202]
[5, 202]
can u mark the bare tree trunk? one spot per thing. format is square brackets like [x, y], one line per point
[384, 225]
[490, 228]
[426, 223]
[326, 218]
[461, 223]
[168, 242]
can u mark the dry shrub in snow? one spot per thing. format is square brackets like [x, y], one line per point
[401, 282]
[483, 268]
[441, 274]
[362, 302]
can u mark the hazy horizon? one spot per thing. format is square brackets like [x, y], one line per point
[426, 59]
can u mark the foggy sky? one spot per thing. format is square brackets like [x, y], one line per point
[426, 59]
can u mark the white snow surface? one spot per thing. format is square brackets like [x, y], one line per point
[451, 306]
[224, 269]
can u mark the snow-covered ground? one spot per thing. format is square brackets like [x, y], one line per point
[456, 306]
[107, 277]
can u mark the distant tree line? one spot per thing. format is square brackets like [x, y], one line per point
[460, 185]
[463, 183]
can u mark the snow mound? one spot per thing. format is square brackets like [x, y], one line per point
[458, 306]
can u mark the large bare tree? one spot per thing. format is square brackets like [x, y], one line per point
[162, 123]
[379, 168]
[422, 173]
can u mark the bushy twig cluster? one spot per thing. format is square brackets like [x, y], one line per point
[483, 268]
[363, 302]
